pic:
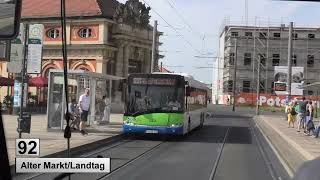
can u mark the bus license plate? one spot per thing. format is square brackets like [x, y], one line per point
[152, 131]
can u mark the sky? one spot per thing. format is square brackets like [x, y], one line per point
[192, 27]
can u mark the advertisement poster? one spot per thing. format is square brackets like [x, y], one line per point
[16, 54]
[280, 78]
[35, 48]
[17, 94]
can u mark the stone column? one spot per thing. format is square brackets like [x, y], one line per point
[147, 60]
[126, 61]
[119, 62]
[101, 66]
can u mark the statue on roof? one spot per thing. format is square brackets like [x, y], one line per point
[133, 13]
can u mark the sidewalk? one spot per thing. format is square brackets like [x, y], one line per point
[293, 147]
[53, 142]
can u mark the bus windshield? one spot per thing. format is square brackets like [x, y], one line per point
[149, 98]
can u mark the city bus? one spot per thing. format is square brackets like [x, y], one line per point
[164, 103]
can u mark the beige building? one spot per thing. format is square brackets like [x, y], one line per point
[270, 44]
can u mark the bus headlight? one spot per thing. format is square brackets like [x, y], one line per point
[175, 125]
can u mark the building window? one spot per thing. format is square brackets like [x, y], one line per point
[309, 92]
[85, 32]
[248, 34]
[263, 35]
[246, 86]
[295, 36]
[262, 59]
[311, 36]
[53, 33]
[84, 83]
[234, 34]
[134, 67]
[310, 60]
[276, 35]
[231, 59]
[294, 60]
[247, 59]
[230, 86]
[275, 59]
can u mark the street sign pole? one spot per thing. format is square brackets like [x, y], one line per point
[23, 79]
[289, 60]
[258, 88]
[235, 74]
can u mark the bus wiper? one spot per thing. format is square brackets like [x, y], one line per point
[138, 112]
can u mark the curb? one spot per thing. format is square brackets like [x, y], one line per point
[76, 151]
[303, 152]
[290, 154]
[283, 162]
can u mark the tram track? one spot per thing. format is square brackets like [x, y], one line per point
[216, 163]
[114, 145]
[98, 153]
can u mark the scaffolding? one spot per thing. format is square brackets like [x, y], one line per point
[263, 44]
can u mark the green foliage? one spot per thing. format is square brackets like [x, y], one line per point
[8, 101]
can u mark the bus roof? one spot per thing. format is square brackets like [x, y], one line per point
[192, 82]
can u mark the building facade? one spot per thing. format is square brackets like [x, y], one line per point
[96, 41]
[243, 46]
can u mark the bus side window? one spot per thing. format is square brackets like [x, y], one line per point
[188, 91]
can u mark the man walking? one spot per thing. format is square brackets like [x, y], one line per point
[84, 105]
[302, 113]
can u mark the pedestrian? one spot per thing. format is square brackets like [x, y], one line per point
[287, 103]
[107, 109]
[302, 113]
[291, 114]
[84, 105]
[317, 131]
[309, 120]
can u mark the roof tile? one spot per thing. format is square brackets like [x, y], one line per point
[51, 8]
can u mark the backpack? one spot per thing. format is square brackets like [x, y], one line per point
[293, 111]
[310, 125]
[296, 108]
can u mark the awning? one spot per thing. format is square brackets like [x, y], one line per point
[6, 81]
[38, 82]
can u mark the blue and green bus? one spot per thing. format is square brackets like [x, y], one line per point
[164, 103]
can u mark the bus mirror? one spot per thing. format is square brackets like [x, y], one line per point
[10, 12]
[186, 83]
[188, 91]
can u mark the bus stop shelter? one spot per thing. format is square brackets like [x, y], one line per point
[78, 80]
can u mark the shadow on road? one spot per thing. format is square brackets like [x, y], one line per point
[207, 134]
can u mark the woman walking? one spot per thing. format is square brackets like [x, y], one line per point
[309, 120]
[292, 114]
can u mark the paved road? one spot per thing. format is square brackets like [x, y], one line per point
[225, 148]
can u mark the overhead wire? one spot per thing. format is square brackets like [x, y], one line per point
[201, 36]
[172, 27]
[182, 18]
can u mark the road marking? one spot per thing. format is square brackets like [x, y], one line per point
[215, 166]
